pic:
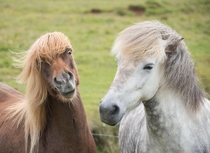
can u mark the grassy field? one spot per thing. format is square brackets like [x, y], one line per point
[92, 27]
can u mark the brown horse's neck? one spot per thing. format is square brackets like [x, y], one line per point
[66, 127]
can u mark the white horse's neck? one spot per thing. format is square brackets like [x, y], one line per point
[171, 125]
[165, 106]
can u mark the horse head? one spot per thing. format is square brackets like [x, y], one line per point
[142, 52]
[49, 67]
[61, 75]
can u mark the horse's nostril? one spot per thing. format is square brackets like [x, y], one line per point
[115, 110]
[56, 80]
[70, 75]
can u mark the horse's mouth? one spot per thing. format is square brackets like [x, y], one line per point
[68, 94]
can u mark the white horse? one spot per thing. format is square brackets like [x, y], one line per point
[156, 94]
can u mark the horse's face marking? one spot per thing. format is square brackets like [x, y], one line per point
[61, 75]
[134, 82]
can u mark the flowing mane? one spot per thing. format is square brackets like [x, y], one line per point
[151, 38]
[32, 108]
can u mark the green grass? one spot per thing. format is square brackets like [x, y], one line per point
[92, 35]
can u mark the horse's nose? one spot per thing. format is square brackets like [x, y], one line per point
[111, 110]
[64, 83]
[109, 113]
[63, 78]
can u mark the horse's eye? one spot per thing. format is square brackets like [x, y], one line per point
[148, 66]
[69, 51]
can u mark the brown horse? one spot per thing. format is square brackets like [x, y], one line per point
[50, 118]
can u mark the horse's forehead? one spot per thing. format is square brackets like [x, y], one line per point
[51, 54]
[133, 60]
[58, 61]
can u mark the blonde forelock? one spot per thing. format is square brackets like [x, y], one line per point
[142, 40]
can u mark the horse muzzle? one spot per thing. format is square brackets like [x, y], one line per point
[110, 113]
[65, 84]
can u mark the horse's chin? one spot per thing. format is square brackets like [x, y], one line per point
[69, 95]
[111, 122]
[116, 122]
[66, 97]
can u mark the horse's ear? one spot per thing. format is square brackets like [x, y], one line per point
[171, 47]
